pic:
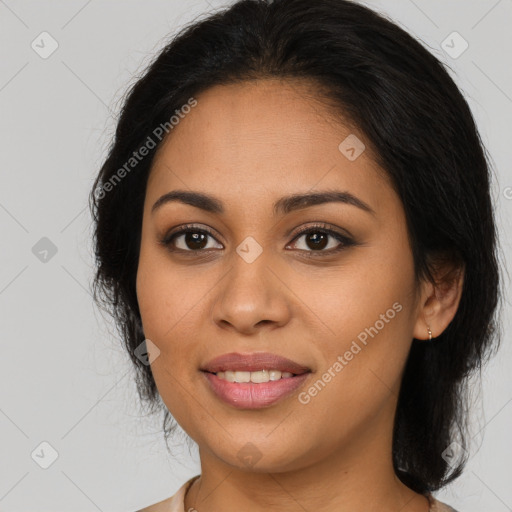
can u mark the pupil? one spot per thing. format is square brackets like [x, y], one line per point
[196, 240]
[319, 240]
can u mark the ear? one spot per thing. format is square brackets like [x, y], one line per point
[439, 302]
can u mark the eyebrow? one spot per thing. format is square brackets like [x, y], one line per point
[283, 205]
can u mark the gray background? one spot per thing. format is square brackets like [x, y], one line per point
[65, 379]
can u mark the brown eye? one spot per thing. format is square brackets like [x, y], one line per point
[189, 239]
[321, 240]
[195, 241]
[317, 240]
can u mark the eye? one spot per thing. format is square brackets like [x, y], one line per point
[189, 239]
[316, 239]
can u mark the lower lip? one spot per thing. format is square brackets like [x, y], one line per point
[249, 395]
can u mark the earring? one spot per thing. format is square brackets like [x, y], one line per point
[429, 333]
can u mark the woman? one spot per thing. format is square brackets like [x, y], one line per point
[294, 232]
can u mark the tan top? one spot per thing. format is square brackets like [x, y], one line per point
[176, 503]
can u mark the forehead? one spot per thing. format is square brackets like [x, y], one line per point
[265, 138]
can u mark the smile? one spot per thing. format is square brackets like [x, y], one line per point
[256, 377]
[248, 394]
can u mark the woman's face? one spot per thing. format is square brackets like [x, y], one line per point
[344, 311]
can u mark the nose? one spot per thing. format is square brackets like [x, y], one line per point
[252, 296]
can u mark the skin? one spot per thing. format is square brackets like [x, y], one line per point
[248, 145]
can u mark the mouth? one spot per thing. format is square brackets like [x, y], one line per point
[253, 363]
[253, 381]
[255, 377]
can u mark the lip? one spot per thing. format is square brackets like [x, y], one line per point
[249, 395]
[253, 362]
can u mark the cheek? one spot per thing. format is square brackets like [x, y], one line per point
[368, 309]
[169, 306]
[166, 317]
[165, 297]
[361, 375]
[343, 303]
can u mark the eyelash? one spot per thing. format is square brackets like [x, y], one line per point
[323, 228]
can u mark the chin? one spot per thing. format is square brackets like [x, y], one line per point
[263, 455]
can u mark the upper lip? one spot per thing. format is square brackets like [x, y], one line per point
[253, 362]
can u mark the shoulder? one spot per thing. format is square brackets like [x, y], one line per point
[439, 506]
[173, 504]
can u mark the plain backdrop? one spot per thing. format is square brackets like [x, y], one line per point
[67, 397]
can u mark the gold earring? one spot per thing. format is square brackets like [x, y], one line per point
[429, 333]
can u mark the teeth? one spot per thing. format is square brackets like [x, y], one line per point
[256, 377]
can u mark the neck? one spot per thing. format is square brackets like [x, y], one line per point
[358, 477]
